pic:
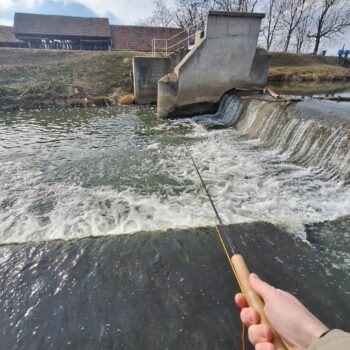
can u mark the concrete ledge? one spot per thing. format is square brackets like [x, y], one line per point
[237, 14]
[169, 78]
[167, 92]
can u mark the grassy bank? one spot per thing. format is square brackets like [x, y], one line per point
[42, 78]
[297, 68]
[38, 78]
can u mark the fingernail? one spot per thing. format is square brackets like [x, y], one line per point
[254, 275]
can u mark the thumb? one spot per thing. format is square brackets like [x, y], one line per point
[260, 287]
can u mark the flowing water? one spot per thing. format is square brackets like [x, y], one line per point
[75, 173]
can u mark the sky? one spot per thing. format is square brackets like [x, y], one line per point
[118, 12]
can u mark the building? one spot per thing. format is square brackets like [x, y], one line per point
[81, 33]
[63, 32]
[8, 38]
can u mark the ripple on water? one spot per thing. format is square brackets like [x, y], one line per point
[75, 173]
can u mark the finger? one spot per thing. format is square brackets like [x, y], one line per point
[265, 346]
[240, 301]
[249, 316]
[260, 287]
[259, 333]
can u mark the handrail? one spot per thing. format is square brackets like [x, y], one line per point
[187, 29]
[190, 36]
[167, 47]
[154, 46]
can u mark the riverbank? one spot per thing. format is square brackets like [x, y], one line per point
[301, 68]
[32, 78]
[37, 78]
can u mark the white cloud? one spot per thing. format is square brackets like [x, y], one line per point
[18, 5]
[5, 4]
[8, 6]
[129, 11]
[6, 22]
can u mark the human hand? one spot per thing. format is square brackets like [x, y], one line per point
[295, 324]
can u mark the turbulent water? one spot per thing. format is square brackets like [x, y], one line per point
[325, 147]
[75, 173]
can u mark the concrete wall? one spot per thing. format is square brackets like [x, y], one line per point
[148, 70]
[225, 58]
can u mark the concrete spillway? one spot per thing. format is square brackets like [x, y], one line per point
[162, 290]
[302, 135]
[309, 133]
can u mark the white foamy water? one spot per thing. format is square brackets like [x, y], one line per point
[78, 173]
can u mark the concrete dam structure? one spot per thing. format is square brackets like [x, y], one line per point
[225, 56]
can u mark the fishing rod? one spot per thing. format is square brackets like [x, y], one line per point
[238, 265]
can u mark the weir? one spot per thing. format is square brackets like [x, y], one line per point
[313, 134]
[224, 56]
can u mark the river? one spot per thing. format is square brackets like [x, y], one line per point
[72, 174]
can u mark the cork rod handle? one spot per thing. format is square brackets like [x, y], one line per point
[254, 299]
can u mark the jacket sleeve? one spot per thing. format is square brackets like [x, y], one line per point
[334, 340]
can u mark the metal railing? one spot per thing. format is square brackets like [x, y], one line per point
[167, 47]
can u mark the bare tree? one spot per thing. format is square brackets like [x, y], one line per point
[247, 5]
[302, 32]
[235, 5]
[225, 5]
[330, 19]
[162, 16]
[291, 18]
[189, 12]
[271, 24]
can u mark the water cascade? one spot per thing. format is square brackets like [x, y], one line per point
[301, 139]
[297, 133]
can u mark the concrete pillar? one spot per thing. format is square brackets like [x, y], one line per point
[167, 92]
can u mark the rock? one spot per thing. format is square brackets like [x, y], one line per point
[78, 102]
[100, 101]
[127, 99]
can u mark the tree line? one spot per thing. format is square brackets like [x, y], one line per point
[289, 25]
